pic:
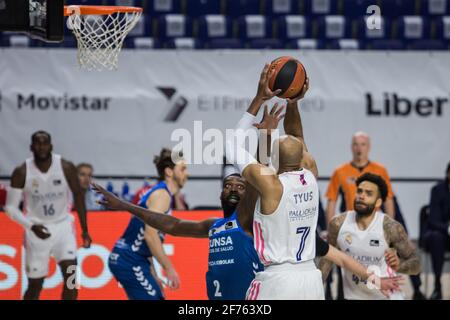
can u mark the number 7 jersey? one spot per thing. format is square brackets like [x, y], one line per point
[47, 196]
[289, 234]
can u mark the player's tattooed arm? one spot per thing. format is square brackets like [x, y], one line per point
[397, 239]
[70, 172]
[326, 265]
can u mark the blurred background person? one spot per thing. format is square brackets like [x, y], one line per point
[85, 172]
[437, 234]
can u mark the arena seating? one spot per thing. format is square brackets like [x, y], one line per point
[217, 24]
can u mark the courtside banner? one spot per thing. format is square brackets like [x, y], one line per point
[118, 120]
[189, 256]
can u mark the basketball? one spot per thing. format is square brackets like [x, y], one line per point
[289, 76]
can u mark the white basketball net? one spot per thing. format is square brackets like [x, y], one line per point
[100, 37]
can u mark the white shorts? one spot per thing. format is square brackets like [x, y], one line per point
[287, 281]
[61, 244]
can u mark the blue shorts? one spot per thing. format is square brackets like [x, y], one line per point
[133, 273]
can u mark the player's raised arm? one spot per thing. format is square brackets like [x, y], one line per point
[162, 222]
[293, 126]
[293, 122]
[256, 174]
[246, 206]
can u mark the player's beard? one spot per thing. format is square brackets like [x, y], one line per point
[229, 206]
[367, 209]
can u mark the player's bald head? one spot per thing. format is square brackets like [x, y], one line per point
[289, 151]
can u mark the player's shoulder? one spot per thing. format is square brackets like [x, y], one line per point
[159, 193]
[393, 230]
[392, 226]
[337, 221]
[66, 163]
[20, 169]
[18, 176]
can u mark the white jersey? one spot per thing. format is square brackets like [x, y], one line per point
[289, 234]
[47, 196]
[368, 248]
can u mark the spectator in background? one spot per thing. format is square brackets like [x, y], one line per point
[85, 172]
[344, 177]
[343, 182]
[437, 236]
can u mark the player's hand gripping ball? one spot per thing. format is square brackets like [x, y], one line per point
[289, 76]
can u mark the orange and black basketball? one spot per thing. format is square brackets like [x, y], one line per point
[289, 76]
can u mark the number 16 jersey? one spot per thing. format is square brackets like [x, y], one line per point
[47, 196]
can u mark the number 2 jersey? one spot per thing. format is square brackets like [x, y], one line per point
[232, 262]
[47, 196]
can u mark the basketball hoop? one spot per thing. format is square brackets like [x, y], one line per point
[100, 32]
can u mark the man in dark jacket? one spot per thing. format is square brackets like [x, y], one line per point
[438, 230]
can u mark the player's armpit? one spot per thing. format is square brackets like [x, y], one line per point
[397, 238]
[246, 208]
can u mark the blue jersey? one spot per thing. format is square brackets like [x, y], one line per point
[132, 239]
[233, 261]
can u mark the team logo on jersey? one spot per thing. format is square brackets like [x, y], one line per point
[35, 183]
[57, 182]
[229, 225]
[374, 243]
[348, 238]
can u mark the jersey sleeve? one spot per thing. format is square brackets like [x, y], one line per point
[322, 247]
[333, 187]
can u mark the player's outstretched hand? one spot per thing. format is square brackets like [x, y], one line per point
[173, 278]
[40, 231]
[270, 120]
[109, 199]
[264, 91]
[301, 95]
[392, 259]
